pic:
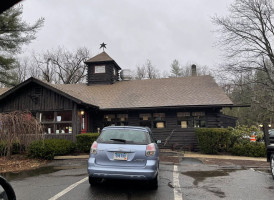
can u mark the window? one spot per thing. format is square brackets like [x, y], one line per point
[109, 120]
[130, 136]
[48, 128]
[64, 116]
[190, 120]
[63, 128]
[100, 69]
[56, 122]
[159, 120]
[46, 116]
[116, 120]
[145, 120]
[184, 120]
[199, 119]
[122, 120]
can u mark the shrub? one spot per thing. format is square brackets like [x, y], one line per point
[3, 148]
[16, 148]
[251, 149]
[48, 148]
[240, 134]
[84, 141]
[213, 140]
[40, 149]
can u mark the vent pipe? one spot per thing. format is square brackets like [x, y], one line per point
[193, 70]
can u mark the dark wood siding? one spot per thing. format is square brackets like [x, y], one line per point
[28, 98]
[102, 78]
[173, 135]
[227, 121]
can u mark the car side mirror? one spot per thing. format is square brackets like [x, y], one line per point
[158, 141]
[6, 190]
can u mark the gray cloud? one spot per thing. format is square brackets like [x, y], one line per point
[159, 30]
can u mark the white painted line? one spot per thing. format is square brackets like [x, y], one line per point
[176, 183]
[57, 196]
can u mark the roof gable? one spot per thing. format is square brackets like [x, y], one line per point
[100, 58]
[43, 84]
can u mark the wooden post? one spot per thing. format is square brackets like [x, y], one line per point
[266, 134]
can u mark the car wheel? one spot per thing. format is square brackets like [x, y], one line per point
[272, 164]
[93, 181]
[154, 183]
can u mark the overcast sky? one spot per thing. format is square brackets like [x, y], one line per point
[159, 30]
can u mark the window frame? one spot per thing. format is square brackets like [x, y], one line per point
[55, 123]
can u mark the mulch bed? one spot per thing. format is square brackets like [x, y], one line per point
[19, 163]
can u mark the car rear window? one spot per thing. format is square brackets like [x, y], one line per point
[127, 136]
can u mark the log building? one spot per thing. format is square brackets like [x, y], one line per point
[171, 107]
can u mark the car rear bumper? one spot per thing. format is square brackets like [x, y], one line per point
[148, 172]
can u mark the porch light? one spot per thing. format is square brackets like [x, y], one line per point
[269, 125]
[261, 125]
[82, 112]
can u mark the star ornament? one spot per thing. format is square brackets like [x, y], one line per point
[103, 45]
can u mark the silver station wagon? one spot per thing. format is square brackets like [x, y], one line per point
[124, 152]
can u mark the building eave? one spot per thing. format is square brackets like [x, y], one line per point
[167, 107]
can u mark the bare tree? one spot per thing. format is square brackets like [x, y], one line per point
[152, 72]
[140, 72]
[46, 69]
[247, 37]
[18, 127]
[147, 71]
[63, 66]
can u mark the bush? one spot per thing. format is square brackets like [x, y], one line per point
[84, 141]
[241, 134]
[48, 148]
[213, 140]
[3, 148]
[251, 149]
[16, 148]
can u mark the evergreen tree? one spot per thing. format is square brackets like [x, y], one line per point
[14, 32]
[175, 69]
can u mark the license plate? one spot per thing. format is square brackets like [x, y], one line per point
[120, 156]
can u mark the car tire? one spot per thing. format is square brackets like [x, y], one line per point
[154, 183]
[272, 165]
[93, 181]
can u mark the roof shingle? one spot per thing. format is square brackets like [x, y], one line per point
[102, 57]
[186, 91]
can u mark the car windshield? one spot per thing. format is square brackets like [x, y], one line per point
[127, 136]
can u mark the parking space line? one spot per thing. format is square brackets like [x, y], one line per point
[63, 192]
[176, 183]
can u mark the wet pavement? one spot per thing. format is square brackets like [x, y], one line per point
[196, 181]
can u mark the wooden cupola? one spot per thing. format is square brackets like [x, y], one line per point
[102, 69]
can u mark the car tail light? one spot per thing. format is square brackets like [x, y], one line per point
[93, 148]
[150, 150]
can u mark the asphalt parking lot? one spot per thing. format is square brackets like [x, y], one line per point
[188, 179]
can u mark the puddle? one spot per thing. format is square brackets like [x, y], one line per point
[200, 176]
[36, 172]
[267, 171]
[170, 185]
[191, 161]
[217, 192]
